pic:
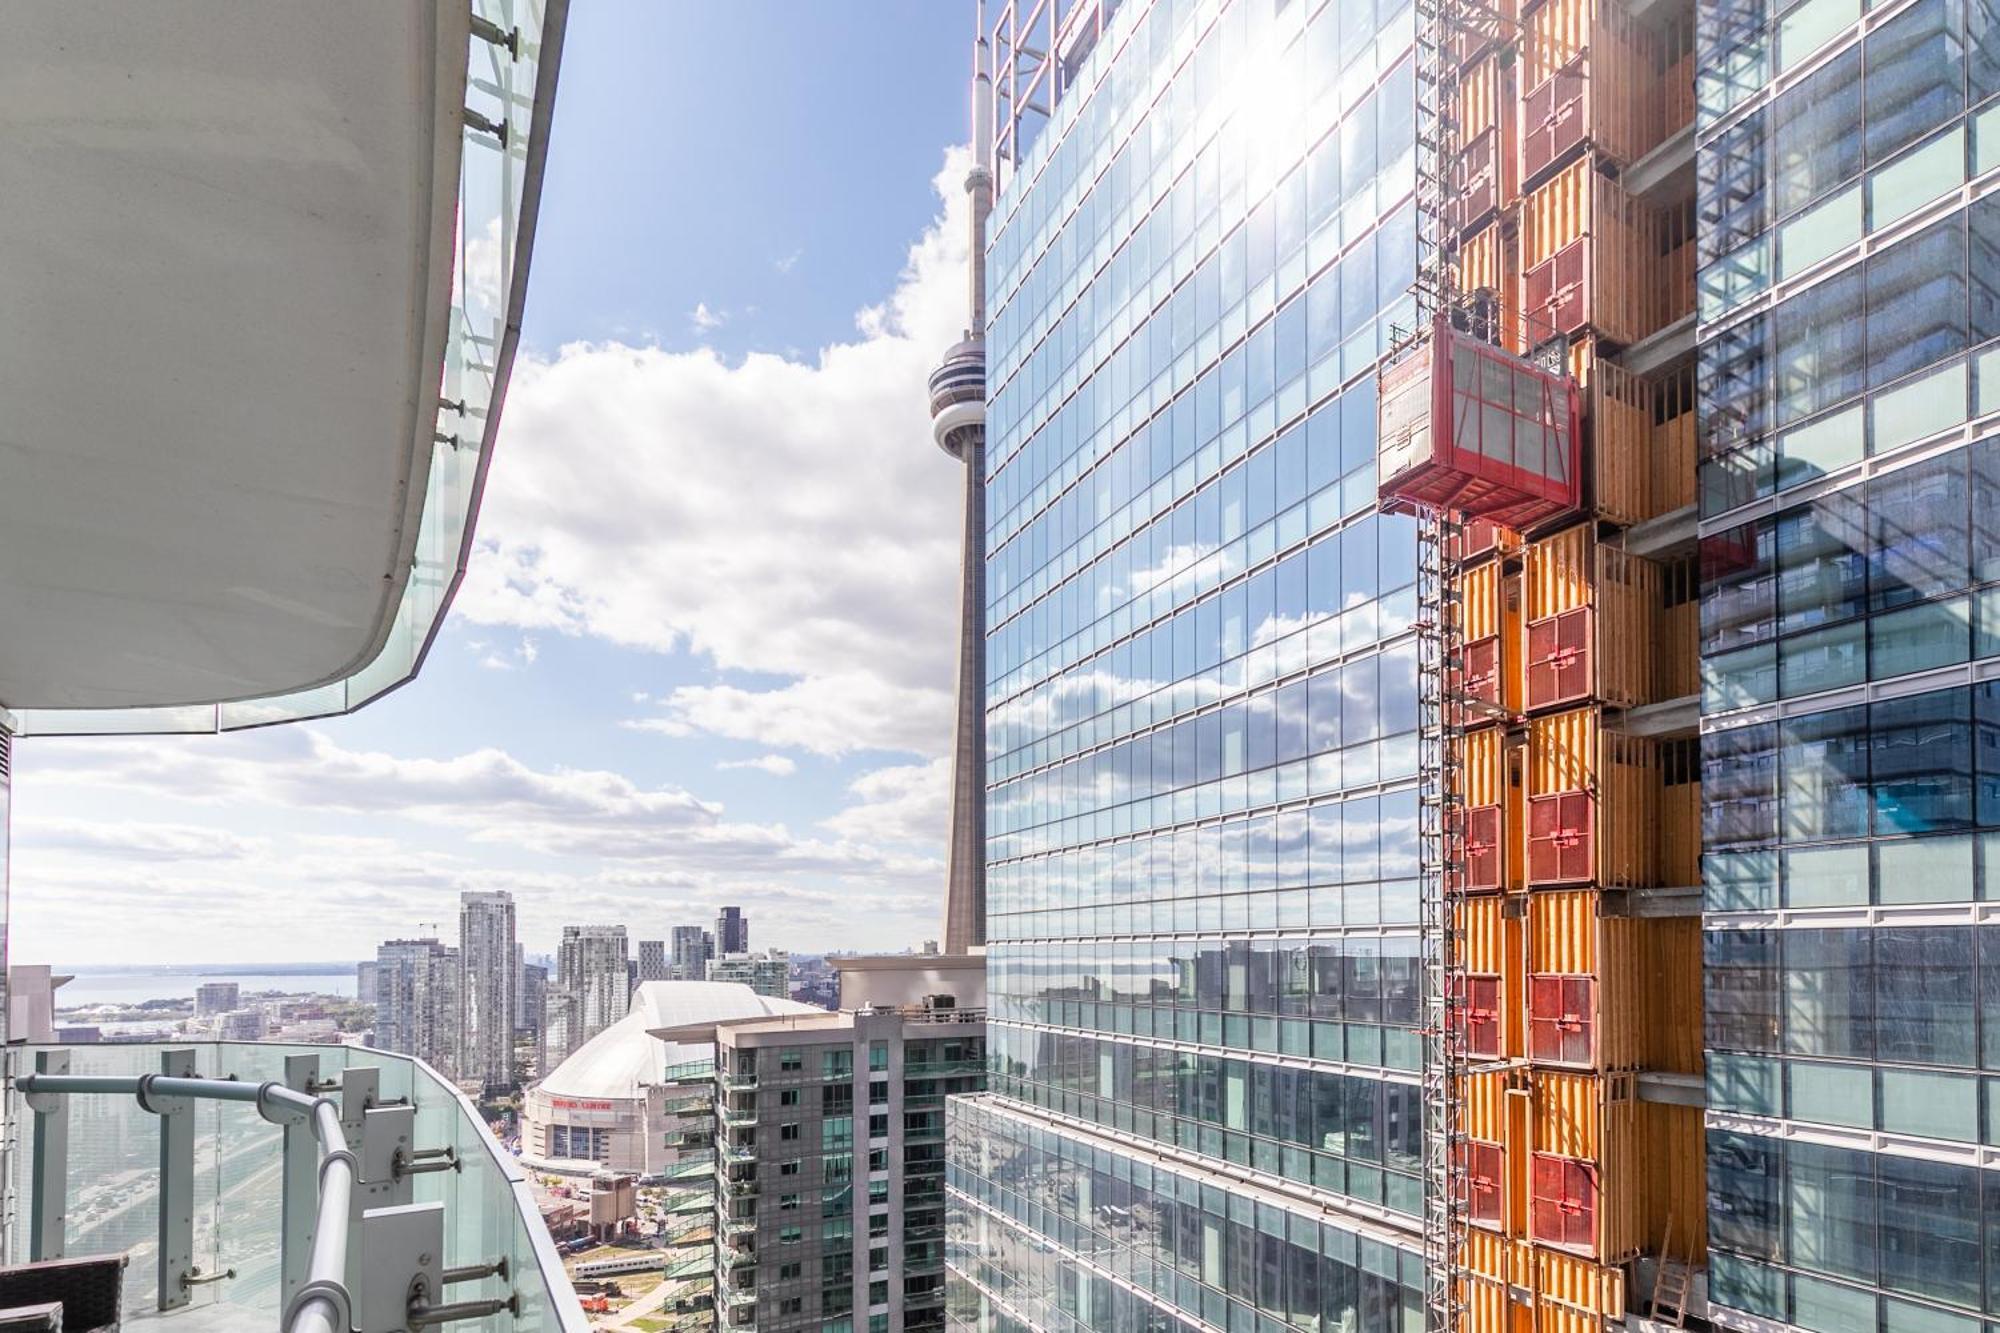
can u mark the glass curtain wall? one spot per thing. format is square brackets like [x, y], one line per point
[1201, 694]
[1850, 370]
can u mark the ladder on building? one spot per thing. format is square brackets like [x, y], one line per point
[1672, 1283]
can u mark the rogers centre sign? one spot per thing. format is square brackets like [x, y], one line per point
[575, 1104]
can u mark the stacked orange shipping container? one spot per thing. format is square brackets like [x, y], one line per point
[1569, 1175]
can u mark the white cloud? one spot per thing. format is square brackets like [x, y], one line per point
[573, 844]
[705, 320]
[786, 263]
[833, 714]
[777, 765]
[779, 516]
[491, 658]
[908, 803]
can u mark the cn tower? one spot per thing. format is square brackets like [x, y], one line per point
[958, 423]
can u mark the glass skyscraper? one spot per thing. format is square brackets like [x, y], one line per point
[1851, 644]
[1202, 872]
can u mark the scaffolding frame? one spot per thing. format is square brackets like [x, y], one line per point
[1038, 46]
[1441, 716]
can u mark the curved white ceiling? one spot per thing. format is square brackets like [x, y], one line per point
[225, 252]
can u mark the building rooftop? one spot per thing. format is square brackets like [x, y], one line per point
[629, 1055]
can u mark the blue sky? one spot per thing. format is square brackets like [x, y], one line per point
[704, 652]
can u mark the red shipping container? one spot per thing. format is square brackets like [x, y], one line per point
[1494, 437]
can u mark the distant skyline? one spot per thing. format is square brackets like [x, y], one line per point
[704, 654]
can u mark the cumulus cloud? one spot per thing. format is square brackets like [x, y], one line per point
[833, 714]
[908, 803]
[777, 765]
[787, 262]
[572, 843]
[780, 516]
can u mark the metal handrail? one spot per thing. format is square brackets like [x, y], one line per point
[322, 1304]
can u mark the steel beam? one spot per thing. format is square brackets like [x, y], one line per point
[301, 1183]
[176, 1238]
[51, 1164]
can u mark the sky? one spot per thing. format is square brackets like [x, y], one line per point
[704, 651]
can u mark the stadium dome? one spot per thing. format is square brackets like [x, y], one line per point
[611, 1104]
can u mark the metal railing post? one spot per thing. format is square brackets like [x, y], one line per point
[176, 1244]
[50, 1204]
[301, 1181]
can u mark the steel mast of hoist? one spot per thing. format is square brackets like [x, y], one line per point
[1440, 657]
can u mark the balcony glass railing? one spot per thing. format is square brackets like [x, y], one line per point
[233, 1247]
[509, 92]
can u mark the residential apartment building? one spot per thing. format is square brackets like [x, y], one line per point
[216, 997]
[592, 970]
[767, 973]
[652, 960]
[364, 982]
[830, 1151]
[732, 932]
[1851, 252]
[532, 1014]
[417, 999]
[691, 948]
[489, 953]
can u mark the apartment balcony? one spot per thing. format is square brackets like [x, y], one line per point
[311, 1189]
[739, 1082]
[738, 1117]
[735, 1153]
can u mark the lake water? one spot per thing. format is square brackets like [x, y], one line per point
[131, 985]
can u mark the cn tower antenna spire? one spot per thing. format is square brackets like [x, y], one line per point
[958, 424]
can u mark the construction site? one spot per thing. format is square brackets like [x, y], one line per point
[1539, 422]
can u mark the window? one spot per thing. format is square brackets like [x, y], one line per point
[788, 1133]
[788, 1203]
[788, 1272]
[1916, 71]
[1743, 1194]
[1830, 1210]
[1916, 301]
[837, 1063]
[878, 1055]
[788, 1097]
[878, 1093]
[791, 1060]
[878, 1260]
[878, 1126]
[788, 1168]
[790, 1235]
